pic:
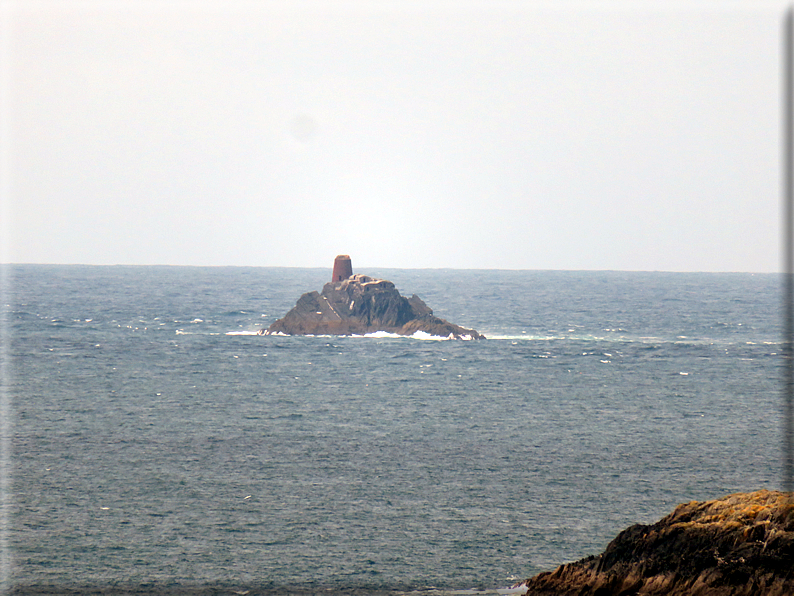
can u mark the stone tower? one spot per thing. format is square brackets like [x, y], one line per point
[343, 268]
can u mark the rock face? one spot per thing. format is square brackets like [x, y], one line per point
[361, 304]
[740, 545]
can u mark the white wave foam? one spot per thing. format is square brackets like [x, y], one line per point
[379, 334]
[420, 335]
[424, 335]
[242, 333]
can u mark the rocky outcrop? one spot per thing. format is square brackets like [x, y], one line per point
[740, 545]
[361, 304]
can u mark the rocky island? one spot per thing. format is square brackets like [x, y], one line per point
[358, 304]
[740, 545]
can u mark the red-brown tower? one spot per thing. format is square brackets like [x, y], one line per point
[343, 268]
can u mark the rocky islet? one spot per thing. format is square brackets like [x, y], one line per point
[355, 304]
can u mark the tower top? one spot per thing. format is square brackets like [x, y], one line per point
[343, 268]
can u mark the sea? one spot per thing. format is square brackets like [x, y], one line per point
[158, 443]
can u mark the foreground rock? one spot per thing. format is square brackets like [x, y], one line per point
[361, 304]
[740, 545]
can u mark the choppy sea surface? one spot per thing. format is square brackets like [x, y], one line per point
[157, 441]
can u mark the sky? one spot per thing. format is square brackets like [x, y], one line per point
[501, 135]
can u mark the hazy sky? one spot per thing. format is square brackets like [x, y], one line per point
[518, 135]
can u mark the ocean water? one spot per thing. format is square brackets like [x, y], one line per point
[157, 441]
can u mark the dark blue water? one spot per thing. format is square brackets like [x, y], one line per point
[156, 440]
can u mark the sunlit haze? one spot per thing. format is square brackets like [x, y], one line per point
[516, 135]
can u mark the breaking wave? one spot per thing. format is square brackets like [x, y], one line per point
[420, 335]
